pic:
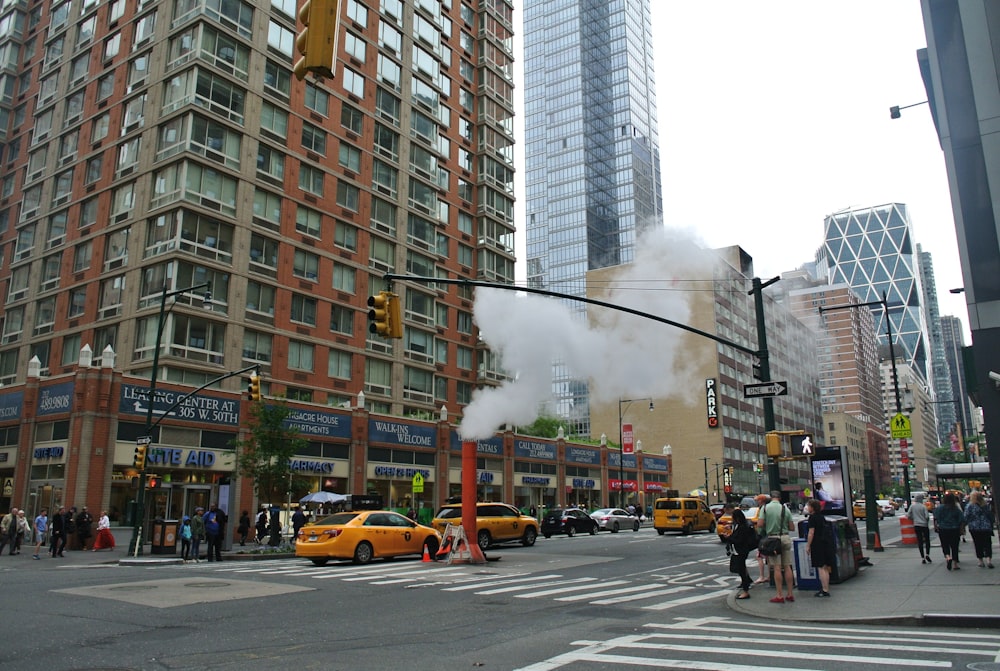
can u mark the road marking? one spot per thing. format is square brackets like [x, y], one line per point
[463, 587]
[648, 595]
[686, 600]
[574, 588]
[519, 588]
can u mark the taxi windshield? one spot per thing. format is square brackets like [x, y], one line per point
[448, 513]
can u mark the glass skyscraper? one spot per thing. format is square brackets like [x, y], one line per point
[591, 150]
[872, 251]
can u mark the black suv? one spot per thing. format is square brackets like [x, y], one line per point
[568, 521]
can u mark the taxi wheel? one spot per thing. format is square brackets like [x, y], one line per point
[614, 528]
[570, 530]
[484, 540]
[320, 561]
[711, 528]
[432, 546]
[529, 537]
[363, 553]
[687, 529]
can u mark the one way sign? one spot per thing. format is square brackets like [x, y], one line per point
[765, 389]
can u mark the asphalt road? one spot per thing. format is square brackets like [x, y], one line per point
[602, 602]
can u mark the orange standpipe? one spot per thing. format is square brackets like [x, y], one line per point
[476, 555]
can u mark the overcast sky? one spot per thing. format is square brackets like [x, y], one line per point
[774, 114]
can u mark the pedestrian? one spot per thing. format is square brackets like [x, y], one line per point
[775, 521]
[949, 522]
[921, 518]
[23, 530]
[213, 533]
[197, 533]
[104, 539]
[261, 525]
[819, 545]
[186, 539]
[58, 533]
[8, 530]
[84, 526]
[244, 527]
[274, 526]
[299, 520]
[41, 524]
[70, 526]
[980, 523]
[743, 540]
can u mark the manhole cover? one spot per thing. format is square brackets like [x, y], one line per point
[984, 666]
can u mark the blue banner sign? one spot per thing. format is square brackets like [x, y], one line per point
[208, 408]
[582, 455]
[410, 435]
[11, 406]
[583, 483]
[533, 449]
[614, 459]
[492, 445]
[49, 452]
[55, 399]
[316, 423]
[175, 456]
[654, 464]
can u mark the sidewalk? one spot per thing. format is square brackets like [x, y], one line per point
[896, 589]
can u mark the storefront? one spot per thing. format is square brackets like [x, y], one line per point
[619, 478]
[583, 478]
[655, 479]
[489, 469]
[325, 464]
[396, 452]
[536, 474]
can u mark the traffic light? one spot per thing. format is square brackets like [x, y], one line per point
[139, 460]
[386, 315]
[154, 482]
[317, 41]
[773, 443]
[254, 388]
[803, 446]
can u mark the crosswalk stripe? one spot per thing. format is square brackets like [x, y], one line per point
[521, 588]
[581, 597]
[463, 587]
[686, 600]
[648, 595]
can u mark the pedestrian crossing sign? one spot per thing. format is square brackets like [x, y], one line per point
[900, 426]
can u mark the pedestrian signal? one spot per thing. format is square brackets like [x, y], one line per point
[154, 482]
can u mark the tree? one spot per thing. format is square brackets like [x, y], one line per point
[265, 454]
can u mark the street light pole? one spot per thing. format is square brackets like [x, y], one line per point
[135, 546]
[704, 461]
[621, 445]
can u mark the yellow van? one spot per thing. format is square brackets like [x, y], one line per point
[682, 514]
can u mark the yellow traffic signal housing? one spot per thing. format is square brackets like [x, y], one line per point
[773, 442]
[139, 460]
[254, 388]
[317, 41]
[386, 315]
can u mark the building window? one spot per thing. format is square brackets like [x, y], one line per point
[274, 119]
[303, 310]
[260, 298]
[311, 179]
[313, 139]
[267, 206]
[351, 119]
[342, 319]
[354, 46]
[349, 157]
[81, 256]
[357, 12]
[306, 265]
[300, 355]
[256, 346]
[464, 324]
[77, 302]
[348, 196]
[344, 278]
[346, 236]
[270, 163]
[308, 221]
[264, 251]
[383, 216]
[280, 38]
[339, 364]
[277, 80]
[318, 101]
[353, 82]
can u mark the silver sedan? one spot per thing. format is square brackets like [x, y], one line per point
[614, 519]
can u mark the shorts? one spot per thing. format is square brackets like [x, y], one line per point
[785, 558]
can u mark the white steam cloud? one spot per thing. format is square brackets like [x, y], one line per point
[621, 355]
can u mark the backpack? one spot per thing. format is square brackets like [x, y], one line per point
[745, 539]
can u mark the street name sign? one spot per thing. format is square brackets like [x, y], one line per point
[765, 389]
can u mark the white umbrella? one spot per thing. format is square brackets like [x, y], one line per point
[323, 497]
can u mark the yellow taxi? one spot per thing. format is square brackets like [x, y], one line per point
[724, 526]
[861, 511]
[682, 514]
[495, 523]
[363, 535]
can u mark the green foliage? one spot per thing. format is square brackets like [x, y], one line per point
[944, 455]
[265, 453]
[543, 427]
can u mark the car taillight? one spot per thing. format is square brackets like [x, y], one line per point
[332, 533]
[565, 519]
[605, 518]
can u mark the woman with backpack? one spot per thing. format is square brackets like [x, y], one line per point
[743, 540]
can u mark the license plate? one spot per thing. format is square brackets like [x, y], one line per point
[312, 539]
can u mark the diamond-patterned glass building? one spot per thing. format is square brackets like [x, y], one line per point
[872, 251]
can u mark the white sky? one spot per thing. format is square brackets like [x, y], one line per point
[774, 114]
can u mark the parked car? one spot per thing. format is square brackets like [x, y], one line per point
[615, 519]
[363, 535]
[495, 523]
[568, 521]
[682, 514]
[861, 511]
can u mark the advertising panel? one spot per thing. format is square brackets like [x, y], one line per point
[829, 480]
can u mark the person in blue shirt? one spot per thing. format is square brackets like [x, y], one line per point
[213, 529]
[949, 522]
[41, 524]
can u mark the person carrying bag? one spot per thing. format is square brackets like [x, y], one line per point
[743, 540]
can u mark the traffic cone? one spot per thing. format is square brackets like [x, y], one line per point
[445, 548]
[878, 544]
[427, 554]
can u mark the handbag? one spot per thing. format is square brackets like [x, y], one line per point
[736, 563]
[770, 546]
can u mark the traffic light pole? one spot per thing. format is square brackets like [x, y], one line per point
[773, 474]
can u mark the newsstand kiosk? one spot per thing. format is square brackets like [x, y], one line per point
[829, 474]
